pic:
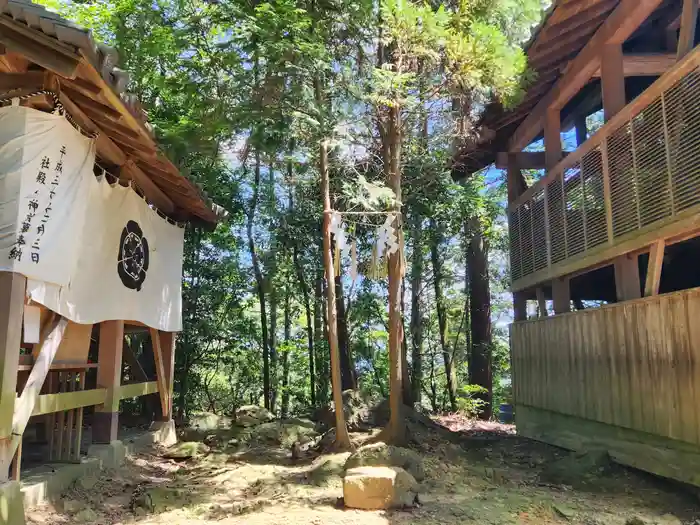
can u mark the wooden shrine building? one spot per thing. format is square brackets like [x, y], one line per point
[91, 240]
[605, 231]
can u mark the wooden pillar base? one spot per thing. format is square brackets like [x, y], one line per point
[105, 427]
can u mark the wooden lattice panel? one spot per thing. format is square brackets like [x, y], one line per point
[573, 199]
[539, 231]
[650, 168]
[515, 259]
[594, 199]
[682, 113]
[623, 183]
[557, 223]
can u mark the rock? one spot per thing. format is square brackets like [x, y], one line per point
[668, 519]
[205, 421]
[233, 442]
[251, 415]
[282, 433]
[85, 516]
[73, 506]
[634, 520]
[374, 488]
[381, 454]
[186, 450]
[564, 511]
[328, 469]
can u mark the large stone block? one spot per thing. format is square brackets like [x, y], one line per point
[112, 455]
[374, 488]
[11, 504]
[383, 455]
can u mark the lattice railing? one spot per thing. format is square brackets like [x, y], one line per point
[641, 168]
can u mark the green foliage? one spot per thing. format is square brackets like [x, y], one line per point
[230, 86]
[468, 402]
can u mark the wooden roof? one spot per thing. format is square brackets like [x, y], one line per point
[565, 31]
[41, 50]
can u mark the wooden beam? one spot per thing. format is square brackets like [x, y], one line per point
[622, 22]
[160, 371]
[109, 374]
[39, 48]
[612, 80]
[552, 138]
[627, 283]
[561, 295]
[526, 160]
[90, 103]
[541, 302]
[30, 394]
[645, 65]
[50, 403]
[656, 260]
[153, 193]
[689, 20]
[106, 149]
[31, 80]
[12, 289]
[138, 389]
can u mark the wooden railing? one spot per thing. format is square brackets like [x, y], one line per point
[638, 174]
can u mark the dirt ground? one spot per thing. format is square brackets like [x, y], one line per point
[481, 473]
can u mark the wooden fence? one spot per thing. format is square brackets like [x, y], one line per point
[634, 365]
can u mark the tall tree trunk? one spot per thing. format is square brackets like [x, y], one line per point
[480, 372]
[285, 355]
[342, 438]
[416, 326]
[396, 430]
[259, 280]
[271, 276]
[347, 369]
[451, 379]
[320, 341]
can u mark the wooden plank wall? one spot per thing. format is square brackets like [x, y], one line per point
[635, 365]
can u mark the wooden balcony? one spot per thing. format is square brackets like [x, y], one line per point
[634, 181]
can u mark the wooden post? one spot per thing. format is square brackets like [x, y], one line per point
[163, 385]
[515, 181]
[689, 19]
[656, 260]
[581, 130]
[541, 302]
[612, 77]
[552, 138]
[519, 307]
[561, 295]
[79, 421]
[12, 288]
[109, 373]
[627, 284]
[167, 348]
